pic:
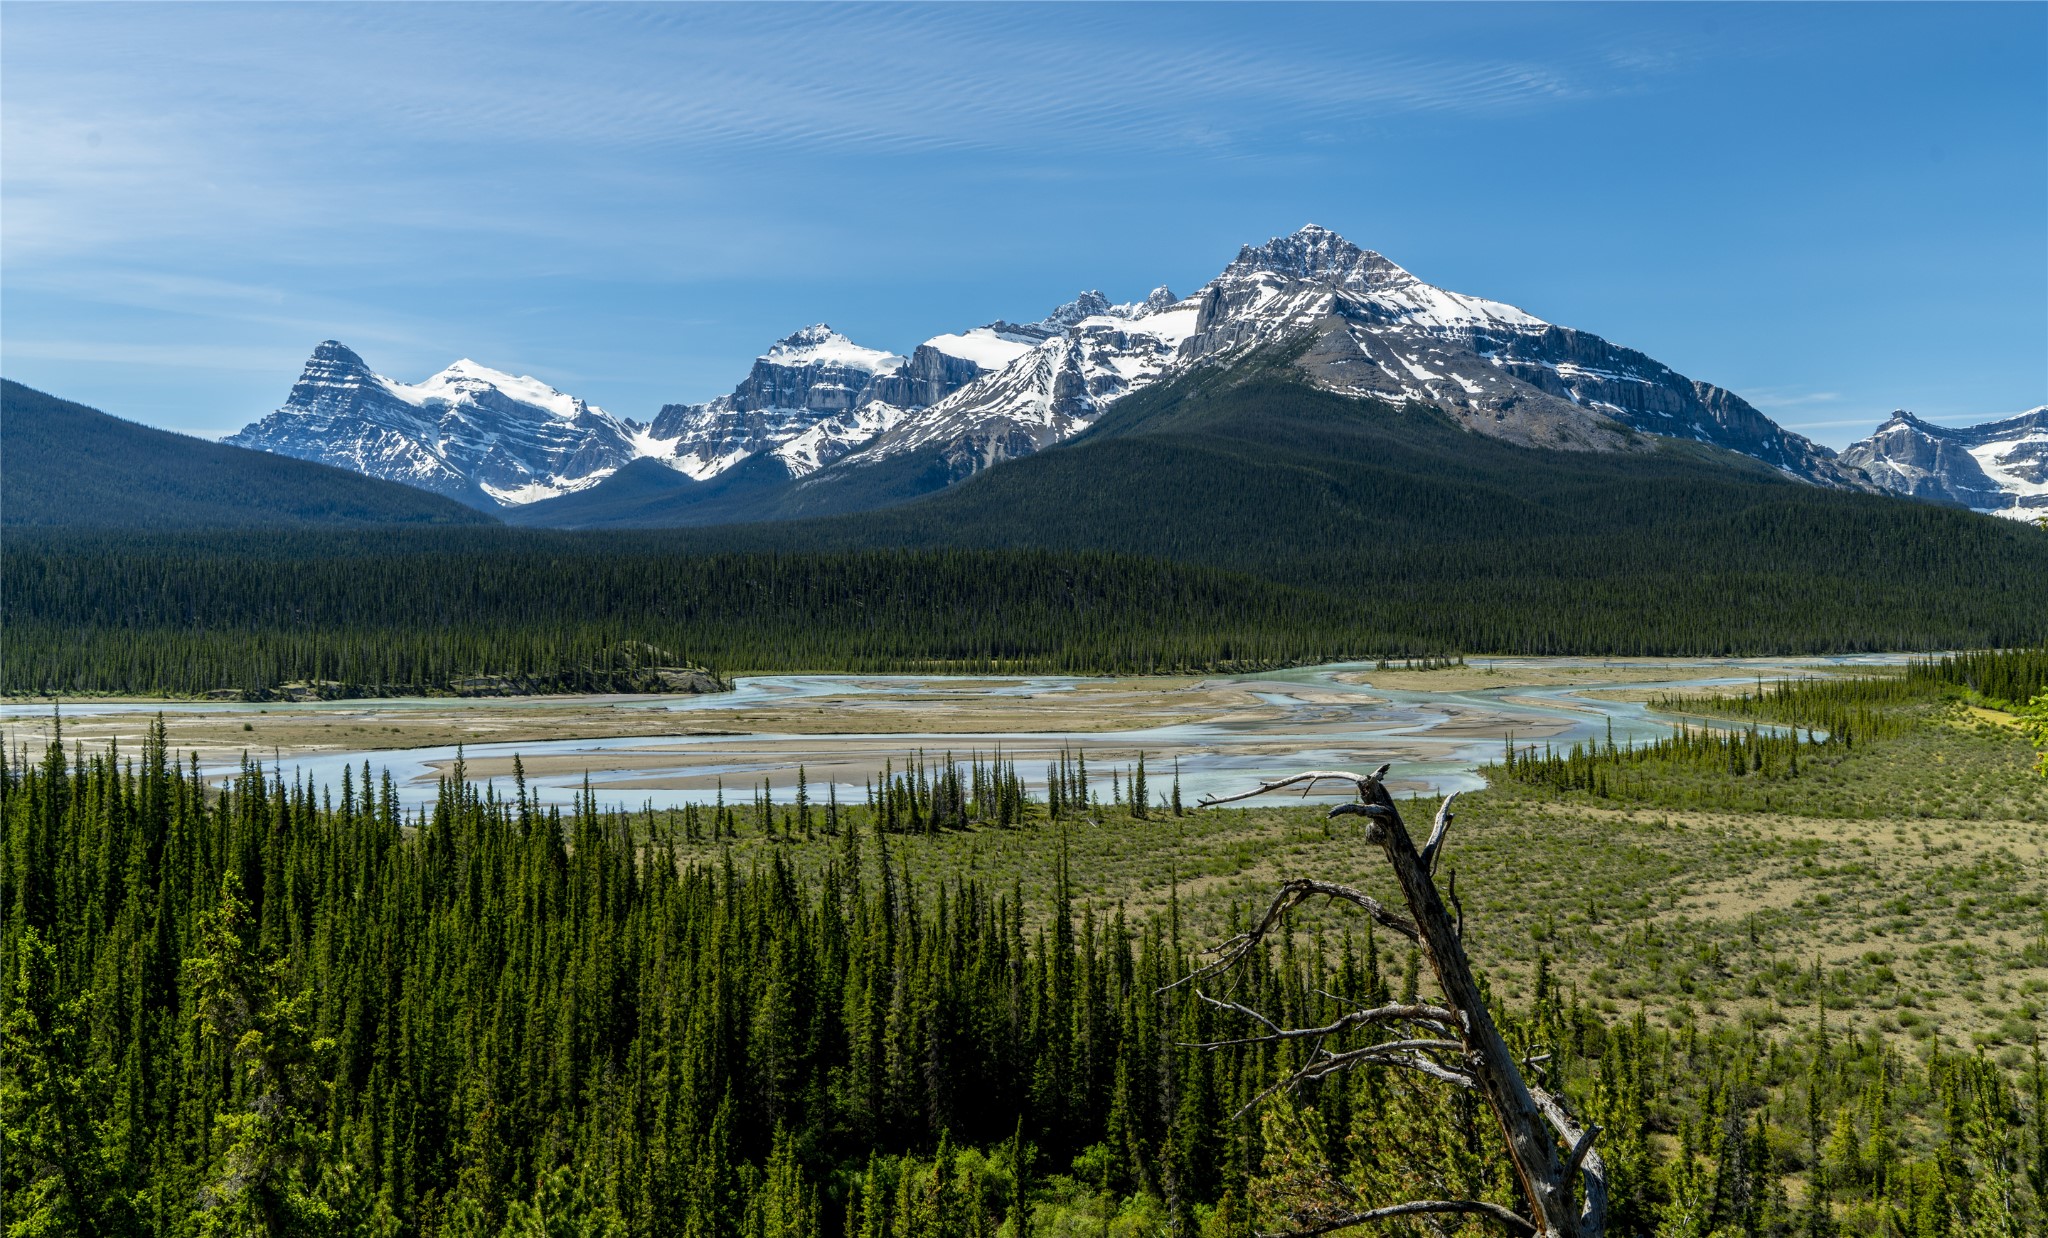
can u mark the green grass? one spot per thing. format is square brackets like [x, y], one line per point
[1899, 883]
[1879, 921]
[1943, 764]
[1719, 989]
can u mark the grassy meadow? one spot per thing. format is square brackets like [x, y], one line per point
[1900, 884]
[1803, 959]
[1792, 960]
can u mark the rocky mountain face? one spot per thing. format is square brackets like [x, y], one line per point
[817, 406]
[1358, 324]
[469, 432]
[1089, 354]
[804, 400]
[816, 397]
[1377, 330]
[2000, 467]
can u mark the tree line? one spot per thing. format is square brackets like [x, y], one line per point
[195, 615]
[408, 611]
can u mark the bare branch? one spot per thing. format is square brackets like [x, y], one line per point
[1406, 1053]
[1388, 1055]
[1515, 1224]
[1581, 1149]
[1435, 1015]
[1593, 1210]
[1277, 1030]
[1311, 777]
[1436, 834]
[1291, 895]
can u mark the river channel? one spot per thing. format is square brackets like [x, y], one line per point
[1223, 734]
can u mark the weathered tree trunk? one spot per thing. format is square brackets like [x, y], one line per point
[1546, 1165]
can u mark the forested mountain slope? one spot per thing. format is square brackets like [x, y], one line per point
[65, 464]
[1484, 543]
[1232, 519]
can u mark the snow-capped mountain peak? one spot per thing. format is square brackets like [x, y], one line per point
[1291, 271]
[471, 379]
[1350, 320]
[811, 398]
[1316, 255]
[1056, 376]
[1088, 304]
[819, 344]
[2000, 467]
[470, 431]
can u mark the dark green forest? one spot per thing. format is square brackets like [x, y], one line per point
[561, 612]
[276, 1009]
[1483, 545]
[398, 610]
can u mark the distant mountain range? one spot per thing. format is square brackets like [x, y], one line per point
[2000, 467]
[823, 425]
[470, 432]
[65, 464]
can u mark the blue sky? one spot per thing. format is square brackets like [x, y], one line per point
[1833, 210]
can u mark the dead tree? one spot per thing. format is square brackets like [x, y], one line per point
[1456, 1044]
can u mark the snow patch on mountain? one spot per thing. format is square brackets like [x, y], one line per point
[820, 345]
[1999, 467]
[990, 348]
[1047, 393]
[468, 380]
[470, 432]
[811, 398]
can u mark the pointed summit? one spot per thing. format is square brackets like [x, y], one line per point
[334, 352]
[1087, 305]
[470, 432]
[1317, 255]
[804, 337]
[332, 365]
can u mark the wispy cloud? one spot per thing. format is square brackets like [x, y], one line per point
[155, 356]
[648, 190]
[148, 124]
[1787, 397]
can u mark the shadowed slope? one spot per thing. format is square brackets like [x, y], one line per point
[64, 463]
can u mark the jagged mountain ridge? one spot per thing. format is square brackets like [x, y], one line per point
[1367, 327]
[1379, 331]
[1999, 467]
[818, 411]
[816, 397]
[470, 432]
[807, 396]
[1049, 393]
